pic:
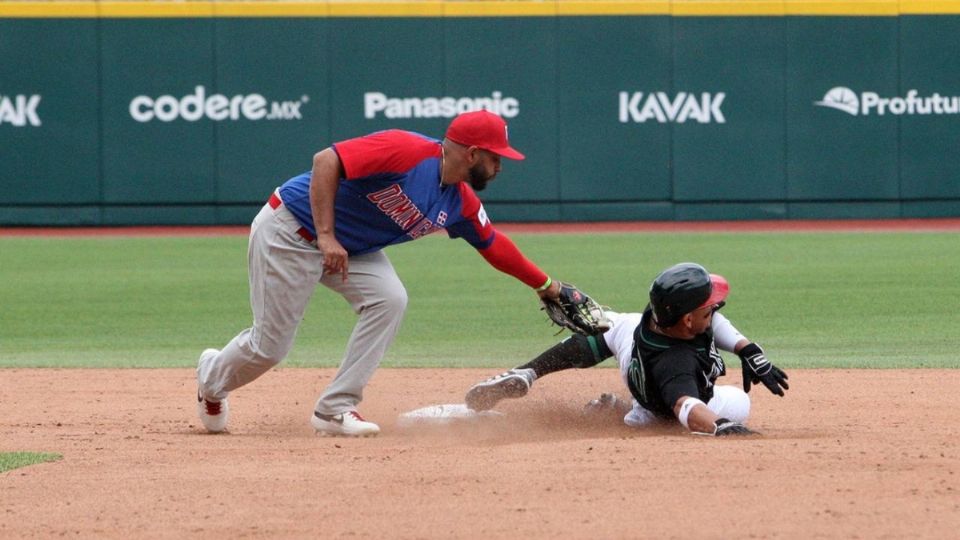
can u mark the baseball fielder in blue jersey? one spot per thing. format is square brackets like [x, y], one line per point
[330, 226]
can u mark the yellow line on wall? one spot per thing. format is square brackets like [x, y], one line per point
[929, 7]
[478, 8]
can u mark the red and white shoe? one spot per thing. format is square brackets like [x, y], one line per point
[346, 424]
[213, 414]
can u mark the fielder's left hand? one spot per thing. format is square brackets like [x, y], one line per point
[757, 369]
[576, 311]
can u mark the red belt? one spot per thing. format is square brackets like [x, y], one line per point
[275, 203]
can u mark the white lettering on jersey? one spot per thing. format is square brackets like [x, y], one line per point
[482, 216]
[393, 202]
[716, 368]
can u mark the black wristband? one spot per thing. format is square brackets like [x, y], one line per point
[750, 349]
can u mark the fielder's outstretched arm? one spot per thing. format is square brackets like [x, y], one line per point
[506, 257]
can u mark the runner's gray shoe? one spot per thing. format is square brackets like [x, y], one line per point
[511, 384]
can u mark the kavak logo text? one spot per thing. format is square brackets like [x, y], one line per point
[20, 110]
[665, 108]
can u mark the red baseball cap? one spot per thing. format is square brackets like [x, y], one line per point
[482, 129]
[719, 291]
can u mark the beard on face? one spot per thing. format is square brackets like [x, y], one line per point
[478, 179]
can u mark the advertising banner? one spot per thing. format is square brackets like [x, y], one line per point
[129, 113]
[612, 146]
[281, 67]
[49, 112]
[729, 75]
[160, 105]
[930, 122]
[835, 151]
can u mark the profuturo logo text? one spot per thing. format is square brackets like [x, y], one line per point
[844, 99]
[216, 107]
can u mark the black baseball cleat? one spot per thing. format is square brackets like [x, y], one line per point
[511, 384]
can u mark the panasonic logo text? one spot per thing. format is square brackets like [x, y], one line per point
[844, 99]
[216, 107]
[662, 107]
[375, 103]
[20, 110]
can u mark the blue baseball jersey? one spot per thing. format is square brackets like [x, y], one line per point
[391, 193]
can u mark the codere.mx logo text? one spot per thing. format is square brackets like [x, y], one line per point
[216, 107]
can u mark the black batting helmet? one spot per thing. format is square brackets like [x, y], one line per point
[682, 288]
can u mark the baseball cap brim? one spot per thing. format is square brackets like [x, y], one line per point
[719, 290]
[507, 152]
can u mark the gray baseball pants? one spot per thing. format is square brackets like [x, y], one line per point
[284, 271]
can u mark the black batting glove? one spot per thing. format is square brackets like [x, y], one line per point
[729, 427]
[757, 369]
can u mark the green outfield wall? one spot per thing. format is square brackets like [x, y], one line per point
[192, 112]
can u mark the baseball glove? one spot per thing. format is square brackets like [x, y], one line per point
[576, 311]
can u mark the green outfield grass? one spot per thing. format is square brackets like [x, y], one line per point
[812, 300]
[15, 460]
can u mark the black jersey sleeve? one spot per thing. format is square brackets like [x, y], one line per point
[676, 374]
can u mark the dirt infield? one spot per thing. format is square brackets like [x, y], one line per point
[847, 454]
